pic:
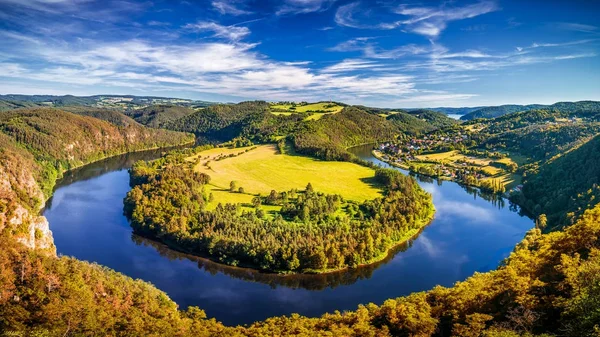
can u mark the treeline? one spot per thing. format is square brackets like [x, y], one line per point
[156, 116]
[548, 286]
[313, 232]
[580, 108]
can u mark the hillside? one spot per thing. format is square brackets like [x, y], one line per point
[221, 122]
[110, 115]
[156, 116]
[434, 118]
[456, 111]
[328, 137]
[497, 111]
[7, 104]
[536, 134]
[581, 109]
[409, 123]
[566, 186]
[38, 145]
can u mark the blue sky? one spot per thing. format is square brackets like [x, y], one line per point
[380, 53]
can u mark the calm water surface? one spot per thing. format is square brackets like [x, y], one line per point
[468, 234]
[455, 116]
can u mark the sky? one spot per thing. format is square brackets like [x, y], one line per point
[380, 53]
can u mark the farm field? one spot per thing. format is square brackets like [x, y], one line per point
[262, 169]
[318, 110]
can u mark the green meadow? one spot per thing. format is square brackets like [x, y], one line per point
[262, 169]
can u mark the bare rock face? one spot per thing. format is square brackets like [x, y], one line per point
[21, 199]
[32, 230]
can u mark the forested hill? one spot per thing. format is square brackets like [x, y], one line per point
[223, 121]
[581, 107]
[566, 186]
[536, 134]
[110, 115]
[328, 137]
[497, 111]
[156, 116]
[38, 145]
[433, 118]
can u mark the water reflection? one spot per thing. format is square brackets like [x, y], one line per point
[294, 281]
[469, 234]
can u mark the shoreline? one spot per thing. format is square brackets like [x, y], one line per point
[411, 234]
[379, 156]
[43, 206]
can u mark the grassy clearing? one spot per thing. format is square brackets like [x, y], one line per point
[318, 110]
[309, 107]
[262, 169]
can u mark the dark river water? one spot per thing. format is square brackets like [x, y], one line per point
[470, 233]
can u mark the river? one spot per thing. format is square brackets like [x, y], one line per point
[470, 233]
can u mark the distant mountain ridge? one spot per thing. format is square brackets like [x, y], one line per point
[497, 111]
[15, 101]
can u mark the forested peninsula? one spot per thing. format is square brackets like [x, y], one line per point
[310, 232]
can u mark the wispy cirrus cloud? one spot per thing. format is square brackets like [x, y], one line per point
[351, 65]
[578, 27]
[303, 6]
[230, 7]
[559, 44]
[426, 21]
[233, 33]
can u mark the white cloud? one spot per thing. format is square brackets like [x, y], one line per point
[303, 6]
[229, 7]
[560, 44]
[233, 33]
[350, 65]
[427, 21]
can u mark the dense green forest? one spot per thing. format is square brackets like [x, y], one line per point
[313, 232]
[568, 107]
[328, 137]
[157, 116]
[60, 140]
[112, 116]
[497, 111]
[565, 187]
[221, 122]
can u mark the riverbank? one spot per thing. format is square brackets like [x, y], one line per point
[377, 154]
[303, 217]
[449, 249]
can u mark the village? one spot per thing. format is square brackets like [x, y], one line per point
[446, 156]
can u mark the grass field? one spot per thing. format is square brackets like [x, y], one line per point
[290, 109]
[262, 169]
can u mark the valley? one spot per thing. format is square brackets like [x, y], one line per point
[275, 205]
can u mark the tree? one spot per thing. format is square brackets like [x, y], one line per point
[241, 190]
[257, 201]
[542, 221]
[309, 188]
[232, 186]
